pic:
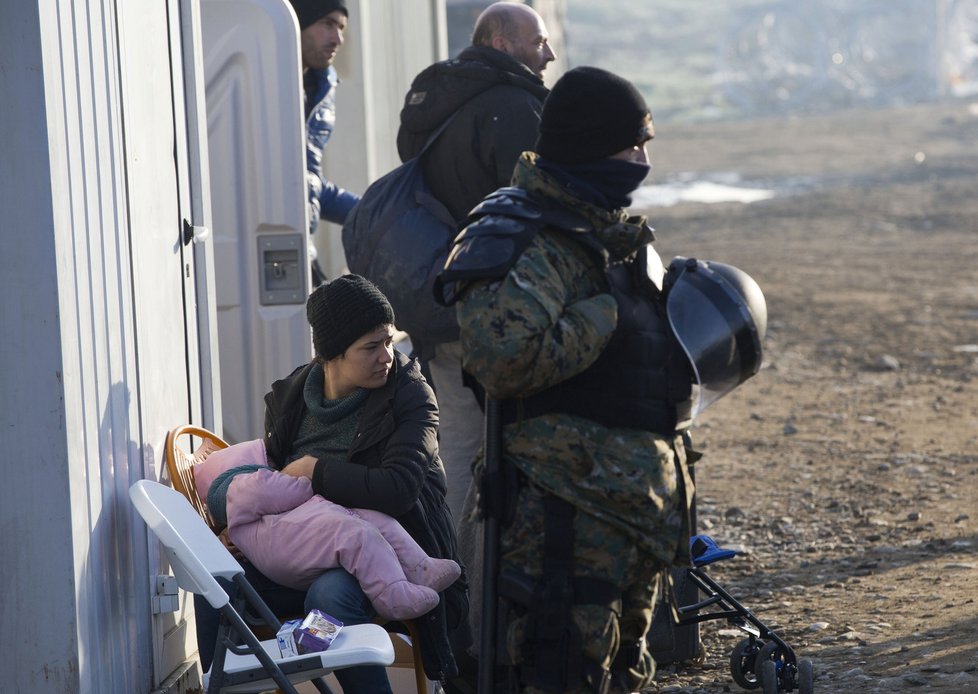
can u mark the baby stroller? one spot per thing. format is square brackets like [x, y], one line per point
[763, 659]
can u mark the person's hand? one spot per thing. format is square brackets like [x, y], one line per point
[226, 541]
[301, 467]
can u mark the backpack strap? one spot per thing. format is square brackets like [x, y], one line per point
[437, 133]
[495, 235]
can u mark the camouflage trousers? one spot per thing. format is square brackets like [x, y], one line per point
[602, 552]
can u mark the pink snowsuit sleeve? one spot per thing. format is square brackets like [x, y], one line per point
[264, 493]
[245, 453]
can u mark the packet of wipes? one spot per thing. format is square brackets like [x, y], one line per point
[312, 634]
[316, 632]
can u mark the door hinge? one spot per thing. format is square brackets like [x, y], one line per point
[167, 598]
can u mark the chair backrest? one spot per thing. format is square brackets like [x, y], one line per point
[196, 555]
[180, 463]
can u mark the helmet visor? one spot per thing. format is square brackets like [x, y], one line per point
[716, 330]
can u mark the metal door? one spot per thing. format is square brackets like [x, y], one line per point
[168, 206]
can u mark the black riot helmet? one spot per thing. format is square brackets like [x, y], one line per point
[719, 316]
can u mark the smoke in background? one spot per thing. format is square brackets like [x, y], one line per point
[700, 59]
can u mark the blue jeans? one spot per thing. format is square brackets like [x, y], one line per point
[336, 593]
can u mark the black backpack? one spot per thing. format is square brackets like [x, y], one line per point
[398, 236]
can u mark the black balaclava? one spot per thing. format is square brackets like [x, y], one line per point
[590, 115]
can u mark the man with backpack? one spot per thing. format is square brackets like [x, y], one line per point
[464, 124]
[493, 93]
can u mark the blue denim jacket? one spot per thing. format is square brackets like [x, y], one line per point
[326, 200]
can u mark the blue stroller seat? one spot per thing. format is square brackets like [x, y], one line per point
[705, 550]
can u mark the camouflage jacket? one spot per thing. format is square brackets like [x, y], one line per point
[547, 320]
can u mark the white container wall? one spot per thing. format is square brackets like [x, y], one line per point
[258, 192]
[100, 324]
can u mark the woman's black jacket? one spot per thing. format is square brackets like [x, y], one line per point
[393, 467]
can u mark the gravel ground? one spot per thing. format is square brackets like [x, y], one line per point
[846, 471]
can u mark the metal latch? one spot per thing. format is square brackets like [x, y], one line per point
[194, 233]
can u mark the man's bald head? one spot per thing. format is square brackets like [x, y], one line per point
[517, 30]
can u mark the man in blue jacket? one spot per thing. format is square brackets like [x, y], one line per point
[322, 23]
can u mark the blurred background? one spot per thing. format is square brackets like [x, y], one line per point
[704, 60]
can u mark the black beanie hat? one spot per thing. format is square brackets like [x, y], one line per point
[311, 11]
[344, 310]
[591, 114]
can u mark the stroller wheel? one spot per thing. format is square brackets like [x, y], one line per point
[768, 677]
[772, 651]
[743, 660]
[806, 677]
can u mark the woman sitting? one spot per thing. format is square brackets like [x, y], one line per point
[361, 424]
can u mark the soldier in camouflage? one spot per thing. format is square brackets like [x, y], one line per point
[561, 322]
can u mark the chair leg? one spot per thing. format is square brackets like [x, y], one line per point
[244, 631]
[254, 600]
[420, 681]
[219, 657]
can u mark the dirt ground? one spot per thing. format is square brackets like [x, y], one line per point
[847, 470]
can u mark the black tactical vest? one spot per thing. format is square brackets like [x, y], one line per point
[642, 380]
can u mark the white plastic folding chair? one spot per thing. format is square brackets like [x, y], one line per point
[242, 663]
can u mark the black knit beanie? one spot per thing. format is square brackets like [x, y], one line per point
[344, 310]
[311, 11]
[591, 114]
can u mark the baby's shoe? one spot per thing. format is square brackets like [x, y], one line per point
[436, 574]
[404, 600]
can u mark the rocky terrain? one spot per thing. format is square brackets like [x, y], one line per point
[846, 471]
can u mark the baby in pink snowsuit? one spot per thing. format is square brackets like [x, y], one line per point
[292, 535]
